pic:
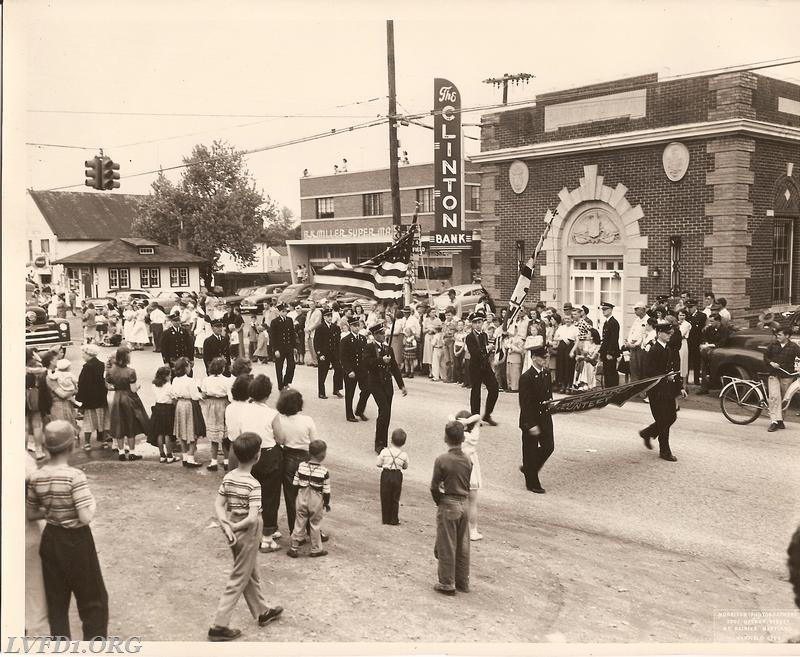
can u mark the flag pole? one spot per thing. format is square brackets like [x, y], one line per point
[413, 227]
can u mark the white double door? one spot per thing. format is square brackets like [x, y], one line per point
[594, 280]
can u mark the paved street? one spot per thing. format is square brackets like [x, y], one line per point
[623, 547]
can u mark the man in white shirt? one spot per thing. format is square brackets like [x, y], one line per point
[635, 340]
[709, 302]
[313, 320]
[723, 311]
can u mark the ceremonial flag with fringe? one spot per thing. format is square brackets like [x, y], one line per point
[601, 397]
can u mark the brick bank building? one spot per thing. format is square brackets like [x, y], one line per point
[689, 183]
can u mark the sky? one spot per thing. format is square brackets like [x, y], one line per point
[142, 68]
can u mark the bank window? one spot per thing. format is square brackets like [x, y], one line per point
[782, 261]
[179, 277]
[325, 208]
[118, 278]
[474, 198]
[425, 199]
[150, 277]
[373, 204]
[45, 244]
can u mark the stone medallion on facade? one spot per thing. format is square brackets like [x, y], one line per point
[675, 160]
[518, 176]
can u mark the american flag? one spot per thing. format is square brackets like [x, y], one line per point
[381, 277]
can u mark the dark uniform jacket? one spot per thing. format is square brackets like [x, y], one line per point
[326, 341]
[380, 373]
[716, 336]
[477, 345]
[535, 388]
[176, 343]
[660, 360]
[698, 322]
[351, 352]
[92, 391]
[214, 346]
[609, 346]
[282, 335]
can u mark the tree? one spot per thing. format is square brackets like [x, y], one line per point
[215, 207]
[280, 228]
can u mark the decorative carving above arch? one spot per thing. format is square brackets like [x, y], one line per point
[594, 226]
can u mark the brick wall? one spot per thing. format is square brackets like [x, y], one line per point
[670, 208]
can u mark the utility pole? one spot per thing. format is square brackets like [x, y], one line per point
[394, 175]
[503, 82]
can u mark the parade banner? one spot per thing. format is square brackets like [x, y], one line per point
[449, 234]
[587, 401]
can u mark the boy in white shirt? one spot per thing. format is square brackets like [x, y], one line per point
[392, 460]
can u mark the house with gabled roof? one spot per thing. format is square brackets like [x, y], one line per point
[61, 223]
[133, 262]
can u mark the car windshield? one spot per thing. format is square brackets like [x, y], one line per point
[259, 291]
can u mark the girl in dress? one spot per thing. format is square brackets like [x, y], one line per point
[684, 327]
[128, 318]
[587, 357]
[471, 425]
[128, 417]
[216, 389]
[163, 418]
[516, 355]
[261, 354]
[429, 331]
[186, 391]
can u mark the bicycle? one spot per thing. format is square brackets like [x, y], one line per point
[742, 401]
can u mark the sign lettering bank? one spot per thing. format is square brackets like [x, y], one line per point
[448, 164]
[329, 233]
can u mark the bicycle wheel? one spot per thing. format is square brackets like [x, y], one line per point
[740, 403]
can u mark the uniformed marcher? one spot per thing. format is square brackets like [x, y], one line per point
[609, 346]
[661, 359]
[351, 357]
[176, 342]
[282, 340]
[480, 368]
[535, 422]
[382, 368]
[326, 345]
[217, 344]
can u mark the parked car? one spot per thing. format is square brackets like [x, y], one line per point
[255, 302]
[321, 296]
[125, 296]
[742, 356]
[295, 293]
[169, 298]
[468, 295]
[42, 333]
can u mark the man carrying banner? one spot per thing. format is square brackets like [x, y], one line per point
[480, 368]
[534, 418]
[609, 346]
[660, 360]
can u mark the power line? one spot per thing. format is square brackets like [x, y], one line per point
[200, 115]
[261, 149]
[80, 148]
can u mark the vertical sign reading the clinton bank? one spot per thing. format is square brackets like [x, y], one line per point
[448, 164]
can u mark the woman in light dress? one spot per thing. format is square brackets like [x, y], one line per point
[586, 362]
[684, 327]
[139, 334]
[202, 326]
[429, 325]
[128, 318]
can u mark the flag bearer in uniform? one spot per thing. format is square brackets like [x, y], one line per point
[480, 368]
[382, 368]
[351, 353]
[326, 345]
[283, 339]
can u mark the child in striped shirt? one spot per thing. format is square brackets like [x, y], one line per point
[314, 495]
[392, 461]
[238, 509]
[60, 494]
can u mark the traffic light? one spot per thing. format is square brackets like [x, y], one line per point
[93, 172]
[109, 175]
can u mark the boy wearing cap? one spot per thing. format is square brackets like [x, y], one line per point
[283, 339]
[60, 495]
